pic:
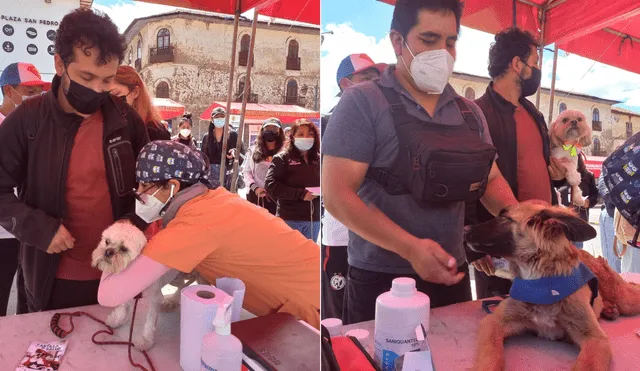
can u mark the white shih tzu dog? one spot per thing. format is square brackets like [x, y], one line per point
[121, 243]
[569, 134]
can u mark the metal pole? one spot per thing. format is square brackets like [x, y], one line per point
[245, 97]
[315, 105]
[543, 21]
[225, 136]
[515, 21]
[553, 84]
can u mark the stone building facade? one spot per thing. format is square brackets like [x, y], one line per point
[185, 56]
[608, 123]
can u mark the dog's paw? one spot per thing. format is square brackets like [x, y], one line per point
[610, 312]
[118, 317]
[170, 302]
[142, 342]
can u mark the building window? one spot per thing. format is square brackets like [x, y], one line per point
[164, 38]
[130, 56]
[469, 93]
[162, 90]
[596, 146]
[562, 108]
[243, 55]
[139, 53]
[629, 129]
[293, 61]
[291, 96]
[596, 124]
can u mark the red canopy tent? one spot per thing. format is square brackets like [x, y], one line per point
[217, 6]
[585, 27]
[168, 108]
[259, 112]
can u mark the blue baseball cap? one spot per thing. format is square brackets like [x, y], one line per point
[22, 74]
[355, 63]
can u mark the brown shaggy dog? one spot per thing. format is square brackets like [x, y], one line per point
[535, 239]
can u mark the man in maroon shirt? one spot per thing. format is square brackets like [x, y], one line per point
[519, 133]
[72, 151]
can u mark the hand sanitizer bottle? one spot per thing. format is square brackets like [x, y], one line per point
[221, 351]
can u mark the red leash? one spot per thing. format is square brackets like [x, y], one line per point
[61, 333]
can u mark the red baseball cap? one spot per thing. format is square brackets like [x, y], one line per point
[25, 74]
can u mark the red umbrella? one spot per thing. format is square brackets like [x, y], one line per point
[307, 11]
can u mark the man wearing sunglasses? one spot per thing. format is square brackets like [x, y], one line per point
[73, 152]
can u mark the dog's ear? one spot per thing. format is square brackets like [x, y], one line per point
[553, 222]
[585, 141]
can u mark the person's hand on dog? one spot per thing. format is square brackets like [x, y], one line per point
[485, 265]
[556, 169]
[62, 241]
[433, 264]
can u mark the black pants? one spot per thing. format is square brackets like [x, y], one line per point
[265, 202]
[334, 279]
[69, 294]
[488, 286]
[364, 287]
[9, 249]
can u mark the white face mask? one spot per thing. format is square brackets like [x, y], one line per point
[149, 211]
[219, 123]
[303, 144]
[185, 133]
[22, 98]
[431, 70]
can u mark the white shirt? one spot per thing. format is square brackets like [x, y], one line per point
[334, 233]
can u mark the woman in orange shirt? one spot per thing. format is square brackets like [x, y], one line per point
[218, 234]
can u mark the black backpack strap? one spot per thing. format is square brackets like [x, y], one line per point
[382, 176]
[468, 114]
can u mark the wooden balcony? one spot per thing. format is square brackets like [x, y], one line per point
[293, 64]
[161, 55]
[295, 100]
[596, 125]
[243, 59]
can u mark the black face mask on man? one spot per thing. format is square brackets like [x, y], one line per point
[82, 99]
[530, 86]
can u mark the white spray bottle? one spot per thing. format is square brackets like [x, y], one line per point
[221, 351]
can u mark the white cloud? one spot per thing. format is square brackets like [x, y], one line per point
[123, 14]
[472, 57]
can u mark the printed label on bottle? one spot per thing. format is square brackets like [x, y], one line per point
[390, 346]
[206, 367]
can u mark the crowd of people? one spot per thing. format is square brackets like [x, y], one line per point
[376, 227]
[89, 149]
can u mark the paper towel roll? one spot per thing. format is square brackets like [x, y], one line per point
[198, 308]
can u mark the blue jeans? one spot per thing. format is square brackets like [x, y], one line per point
[305, 227]
[606, 239]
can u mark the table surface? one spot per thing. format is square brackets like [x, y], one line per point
[452, 337]
[18, 332]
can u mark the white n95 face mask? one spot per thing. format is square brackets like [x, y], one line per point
[185, 133]
[149, 211]
[431, 70]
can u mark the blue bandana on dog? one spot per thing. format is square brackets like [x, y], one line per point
[550, 290]
[164, 160]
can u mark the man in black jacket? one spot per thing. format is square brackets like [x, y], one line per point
[519, 133]
[72, 154]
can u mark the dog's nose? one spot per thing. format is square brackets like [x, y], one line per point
[574, 122]
[109, 253]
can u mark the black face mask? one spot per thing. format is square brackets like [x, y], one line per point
[530, 86]
[269, 136]
[84, 100]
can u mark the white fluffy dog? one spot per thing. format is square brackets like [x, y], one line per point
[569, 133]
[121, 243]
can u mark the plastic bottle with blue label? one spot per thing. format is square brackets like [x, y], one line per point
[399, 313]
